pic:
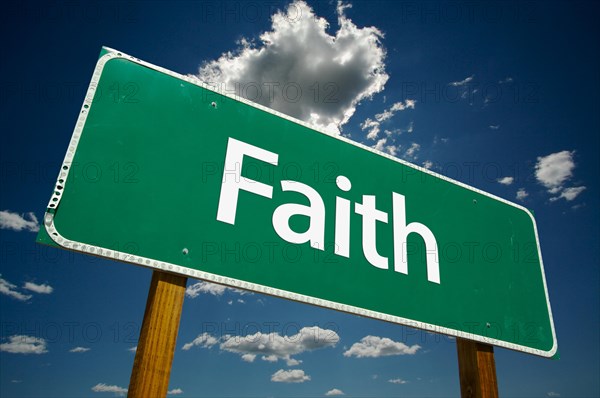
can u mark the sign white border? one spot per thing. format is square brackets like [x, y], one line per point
[173, 268]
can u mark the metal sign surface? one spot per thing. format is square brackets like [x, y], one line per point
[164, 172]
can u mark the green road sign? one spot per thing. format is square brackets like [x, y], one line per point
[164, 172]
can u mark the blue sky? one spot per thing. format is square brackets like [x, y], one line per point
[500, 95]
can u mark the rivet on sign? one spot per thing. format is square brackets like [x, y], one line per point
[474, 201]
[185, 251]
[488, 325]
[213, 104]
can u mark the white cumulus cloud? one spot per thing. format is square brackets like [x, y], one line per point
[101, 387]
[397, 381]
[334, 393]
[175, 391]
[290, 376]
[374, 347]
[506, 180]
[17, 222]
[273, 347]
[300, 69]
[79, 349]
[554, 170]
[270, 347]
[21, 344]
[10, 290]
[40, 289]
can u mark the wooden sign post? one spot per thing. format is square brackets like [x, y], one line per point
[477, 369]
[156, 346]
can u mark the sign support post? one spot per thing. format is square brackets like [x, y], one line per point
[476, 369]
[156, 346]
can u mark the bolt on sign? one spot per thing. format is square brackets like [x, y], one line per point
[165, 172]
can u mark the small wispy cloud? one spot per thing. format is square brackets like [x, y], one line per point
[437, 140]
[204, 340]
[397, 107]
[522, 194]
[494, 126]
[17, 222]
[199, 288]
[411, 152]
[101, 387]
[506, 180]
[397, 381]
[79, 349]
[382, 146]
[392, 150]
[175, 391]
[569, 194]
[466, 89]
[463, 82]
[334, 393]
[40, 289]
[373, 127]
[213, 289]
[507, 79]
[11, 290]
